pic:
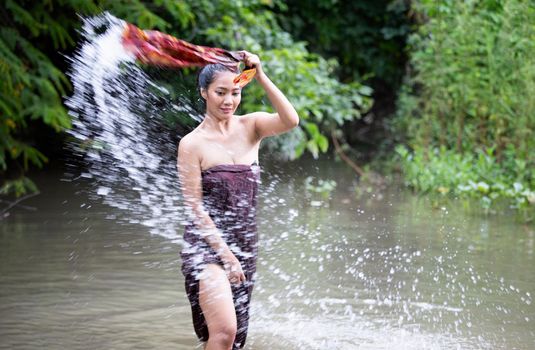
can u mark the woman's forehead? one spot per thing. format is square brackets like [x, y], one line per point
[225, 80]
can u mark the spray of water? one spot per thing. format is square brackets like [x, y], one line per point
[128, 150]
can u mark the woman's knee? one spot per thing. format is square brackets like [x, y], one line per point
[224, 335]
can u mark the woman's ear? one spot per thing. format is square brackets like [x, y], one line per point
[204, 93]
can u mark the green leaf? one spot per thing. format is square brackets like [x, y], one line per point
[323, 143]
[312, 146]
[24, 17]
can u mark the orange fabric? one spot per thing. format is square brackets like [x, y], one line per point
[157, 48]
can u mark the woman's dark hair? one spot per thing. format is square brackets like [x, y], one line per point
[207, 74]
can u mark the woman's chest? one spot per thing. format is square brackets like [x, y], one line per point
[237, 150]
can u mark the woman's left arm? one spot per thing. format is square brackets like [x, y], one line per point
[270, 124]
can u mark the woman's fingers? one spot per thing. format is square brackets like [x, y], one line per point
[241, 276]
[235, 272]
[237, 277]
[250, 59]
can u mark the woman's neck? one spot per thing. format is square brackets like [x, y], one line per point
[212, 124]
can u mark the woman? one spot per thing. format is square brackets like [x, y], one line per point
[219, 175]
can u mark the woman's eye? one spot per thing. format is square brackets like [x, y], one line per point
[219, 93]
[236, 94]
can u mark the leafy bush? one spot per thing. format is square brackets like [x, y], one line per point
[467, 107]
[479, 176]
[32, 85]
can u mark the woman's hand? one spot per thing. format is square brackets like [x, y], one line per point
[252, 60]
[233, 269]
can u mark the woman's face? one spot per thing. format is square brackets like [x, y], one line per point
[222, 96]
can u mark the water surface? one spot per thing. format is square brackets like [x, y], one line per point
[381, 271]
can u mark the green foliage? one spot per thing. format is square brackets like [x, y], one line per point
[367, 37]
[478, 176]
[164, 15]
[467, 109]
[32, 84]
[18, 187]
[32, 33]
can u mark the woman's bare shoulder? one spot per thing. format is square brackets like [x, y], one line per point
[191, 139]
[189, 151]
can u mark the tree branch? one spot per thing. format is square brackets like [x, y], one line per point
[344, 157]
[14, 203]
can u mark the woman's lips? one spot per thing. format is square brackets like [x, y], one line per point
[226, 110]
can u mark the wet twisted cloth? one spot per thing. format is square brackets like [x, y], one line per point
[156, 48]
[230, 197]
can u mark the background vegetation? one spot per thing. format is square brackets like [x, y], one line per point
[32, 34]
[461, 73]
[368, 39]
[466, 110]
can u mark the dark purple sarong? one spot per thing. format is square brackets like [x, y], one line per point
[230, 197]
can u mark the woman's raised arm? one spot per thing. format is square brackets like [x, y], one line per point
[270, 124]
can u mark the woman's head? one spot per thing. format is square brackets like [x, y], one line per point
[216, 86]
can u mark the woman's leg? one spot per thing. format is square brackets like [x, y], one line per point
[217, 305]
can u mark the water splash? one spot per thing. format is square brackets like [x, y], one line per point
[349, 276]
[128, 149]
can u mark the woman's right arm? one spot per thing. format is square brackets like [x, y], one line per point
[189, 174]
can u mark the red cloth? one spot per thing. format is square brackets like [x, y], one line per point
[157, 48]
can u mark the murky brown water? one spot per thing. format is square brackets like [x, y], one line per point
[342, 273]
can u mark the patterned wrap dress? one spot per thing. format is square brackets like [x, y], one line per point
[230, 197]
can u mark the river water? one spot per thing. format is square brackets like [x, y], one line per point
[383, 270]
